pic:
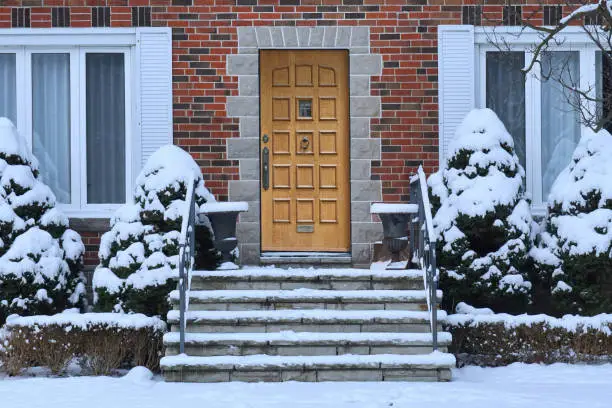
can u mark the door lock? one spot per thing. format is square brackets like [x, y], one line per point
[265, 138]
[265, 168]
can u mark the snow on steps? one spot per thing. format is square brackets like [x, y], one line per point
[305, 299]
[289, 343]
[338, 279]
[434, 366]
[305, 320]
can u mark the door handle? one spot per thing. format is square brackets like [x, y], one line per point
[265, 168]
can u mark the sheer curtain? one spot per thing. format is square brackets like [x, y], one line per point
[505, 91]
[51, 120]
[8, 87]
[560, 121]
[105, 105]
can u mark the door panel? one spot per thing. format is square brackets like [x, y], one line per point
[305, 205]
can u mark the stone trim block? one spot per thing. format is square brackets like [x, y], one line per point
[360, 128]
[360, 37]
[249, 127]
[365, 106]
[248, 85]
[360, 211]
[243, 190]
[361, 169]
[359, 85]
[366, 190]
[248, 232]
[243, 148]
[242, 106]
[242, 64]
[366, 232]
[290, 37]
[253, 215]
[249, 168]
[247, 37]
[356, 39]
[366, 64]
[365, 149]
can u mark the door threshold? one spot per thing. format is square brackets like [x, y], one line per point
[305, 258]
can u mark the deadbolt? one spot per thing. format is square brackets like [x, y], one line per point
[264, 138]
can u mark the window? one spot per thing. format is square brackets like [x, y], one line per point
[539, 110]
[72, 104]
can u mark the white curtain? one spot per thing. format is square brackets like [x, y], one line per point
[8, 103]
[560, 120]
[51, 120]
[105, 105]
[506, 94]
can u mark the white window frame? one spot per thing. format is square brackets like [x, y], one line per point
[574, 40]
[78, 42]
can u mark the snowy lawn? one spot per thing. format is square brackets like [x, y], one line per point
[518, 385]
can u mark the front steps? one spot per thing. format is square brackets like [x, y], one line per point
[267, 324]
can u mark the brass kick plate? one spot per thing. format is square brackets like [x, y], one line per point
[305, 228]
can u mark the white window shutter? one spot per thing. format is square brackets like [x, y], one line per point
[154, 64]
[456, 93]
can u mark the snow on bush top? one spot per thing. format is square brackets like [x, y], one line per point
[589, 172]
[571, 323]
[86, 320]
[14, 146]
[491, 175]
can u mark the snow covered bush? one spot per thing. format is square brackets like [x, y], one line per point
[101, 342]
[574, 252]
[40, 257]
[139, 255]
[482, 219]
[483, 338]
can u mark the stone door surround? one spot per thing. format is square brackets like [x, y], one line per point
[363, 107]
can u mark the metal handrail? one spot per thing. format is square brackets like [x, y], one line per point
[423, 246]
[186, 259]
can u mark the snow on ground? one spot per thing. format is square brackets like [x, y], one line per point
[518, 385]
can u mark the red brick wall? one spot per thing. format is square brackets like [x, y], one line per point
[403, 31]
[204, 33]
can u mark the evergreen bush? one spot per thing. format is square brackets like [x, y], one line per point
[482, 218]
[573, 253]
[40, 257]
[139, 255]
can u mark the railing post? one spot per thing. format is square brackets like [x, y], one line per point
[182, 300]
[434, 298]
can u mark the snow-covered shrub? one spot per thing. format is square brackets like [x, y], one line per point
[40, 256]
[574, 251]
[102, 342]
[139, 255]
[488, 339]
[482, 219]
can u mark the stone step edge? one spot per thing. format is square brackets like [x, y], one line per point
[264, 274]
[263, 362]
[304, 296]
[306, 316]
[308, 339]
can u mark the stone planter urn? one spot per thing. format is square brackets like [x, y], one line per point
[395, 218]
[223, 217]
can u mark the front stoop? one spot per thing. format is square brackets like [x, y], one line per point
[268, 324]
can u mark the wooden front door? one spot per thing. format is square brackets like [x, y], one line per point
[305, 196]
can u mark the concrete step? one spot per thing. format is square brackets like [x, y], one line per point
[330, 321]
[435, 366]
[304, 344]
[330, 279]
[305, 299]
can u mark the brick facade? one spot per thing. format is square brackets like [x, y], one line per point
[205, 33]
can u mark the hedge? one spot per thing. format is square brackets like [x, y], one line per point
[501, 339]
[100, 342]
